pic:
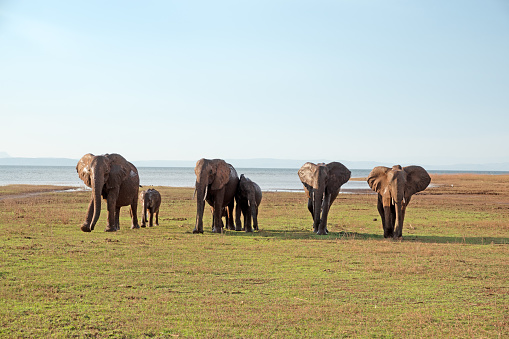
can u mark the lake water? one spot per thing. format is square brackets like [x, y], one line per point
[269, 179]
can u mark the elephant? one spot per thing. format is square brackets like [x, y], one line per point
[322, 183]
[395, 186]
[150, 201]
[116, 180]
[248, 198]
[216, 182]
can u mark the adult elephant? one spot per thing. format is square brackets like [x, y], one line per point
[395, 186]
[116, 180]
[216, 182]
[322, 183]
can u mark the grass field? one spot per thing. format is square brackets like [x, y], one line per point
[448, 277]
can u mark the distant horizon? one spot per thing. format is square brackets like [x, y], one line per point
[257, 163]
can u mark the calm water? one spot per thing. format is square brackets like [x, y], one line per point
[269, 179]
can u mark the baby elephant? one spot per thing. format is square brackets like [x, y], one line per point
[151, 201]
[248, 198]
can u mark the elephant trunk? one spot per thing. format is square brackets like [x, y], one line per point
[201, 195]
[400, 215]
[97, 186]
[317, 208]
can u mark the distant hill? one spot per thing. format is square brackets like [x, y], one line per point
[12, 161]
[252, 163]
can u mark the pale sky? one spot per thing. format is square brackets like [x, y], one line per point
[422, 82]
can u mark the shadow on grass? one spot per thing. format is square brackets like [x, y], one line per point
[308, 235]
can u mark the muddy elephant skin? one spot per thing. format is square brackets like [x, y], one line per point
[116, 180]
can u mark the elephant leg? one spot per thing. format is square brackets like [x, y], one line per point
[134, 215]
[322, 228]
[111, 226]
[151, 223]
[157, 218]
[238, 211]
[117, 218]
[229, 216]
[218, 212]
[255, 219]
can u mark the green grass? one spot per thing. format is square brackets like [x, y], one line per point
[443, 280]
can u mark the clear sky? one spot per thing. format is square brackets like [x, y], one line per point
[410, 82]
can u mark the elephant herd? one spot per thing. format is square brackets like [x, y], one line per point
[116, 180]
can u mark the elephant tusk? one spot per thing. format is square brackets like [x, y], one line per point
[392, 201]
[404, 201]
[194, 194]
[205, 195]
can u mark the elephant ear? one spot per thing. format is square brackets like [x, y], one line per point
[307, 175]
[83, 168]
[377, 178]
[222, 170]
[338, 175]
[417, 179]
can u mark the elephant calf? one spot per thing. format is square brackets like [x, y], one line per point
[151, 201]
[248, 198]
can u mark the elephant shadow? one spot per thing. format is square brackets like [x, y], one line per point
[345, 235]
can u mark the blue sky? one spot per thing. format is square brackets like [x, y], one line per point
[410, 82]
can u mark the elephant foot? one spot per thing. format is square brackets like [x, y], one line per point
[249, 230]
[85, 228]
[157, 224]
[110, 229]
[238, 229]
[321, 232]
[217, 230]
[195, 231]
[135, 227]
[143, 225]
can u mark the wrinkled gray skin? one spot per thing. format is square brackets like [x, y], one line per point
[116, 180]
[150, 202]
[322, 183]
[216, 183]
[248, 198]
[395, 187]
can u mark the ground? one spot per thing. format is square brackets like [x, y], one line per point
[446, 278]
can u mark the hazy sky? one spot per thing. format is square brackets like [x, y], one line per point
[410, 82]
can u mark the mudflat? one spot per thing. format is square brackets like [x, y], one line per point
[446, 278]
